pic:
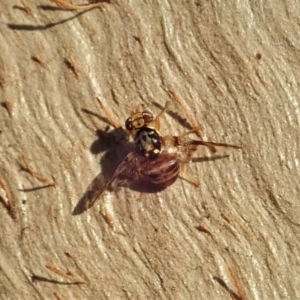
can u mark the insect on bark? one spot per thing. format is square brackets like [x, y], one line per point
[156, 161]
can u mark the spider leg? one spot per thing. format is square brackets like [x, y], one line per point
[184, 175]
[210, 146]
[192, 120]
[157, 121]
[213, 144]
[110, 116]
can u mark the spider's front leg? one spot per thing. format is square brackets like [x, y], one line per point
[110, 116]
[156, 120]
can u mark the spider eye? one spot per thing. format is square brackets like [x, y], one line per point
[128, 124]
[147, 116]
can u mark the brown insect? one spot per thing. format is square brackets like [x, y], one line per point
[156, 161]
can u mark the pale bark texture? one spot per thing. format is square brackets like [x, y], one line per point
[235, 66]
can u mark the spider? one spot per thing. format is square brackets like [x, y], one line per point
[156, 161]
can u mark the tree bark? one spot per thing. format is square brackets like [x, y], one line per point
[235, 67]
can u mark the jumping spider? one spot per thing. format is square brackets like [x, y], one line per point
[156, 161]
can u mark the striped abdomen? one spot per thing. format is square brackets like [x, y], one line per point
[161, 171]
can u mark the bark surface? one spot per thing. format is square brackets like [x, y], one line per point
[235, 66]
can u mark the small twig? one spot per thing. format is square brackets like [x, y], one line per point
[68, 276]
[241, 292]
[36, 58]
[56, 296]
[203, 229]
[9, 204]
[226, 218]
[29, 170]
[26, 7]
[71, 64]
[8, 106]
[67, 254]
[67, 5]
[109, 218]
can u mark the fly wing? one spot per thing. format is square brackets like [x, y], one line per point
[123, 176]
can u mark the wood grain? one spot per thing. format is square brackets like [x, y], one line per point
[235, 65]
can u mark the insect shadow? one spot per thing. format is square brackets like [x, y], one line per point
[114, 142]
[116, 145]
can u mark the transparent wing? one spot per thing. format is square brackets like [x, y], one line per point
[123, 176]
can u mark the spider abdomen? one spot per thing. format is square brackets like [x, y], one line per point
[161, 171]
